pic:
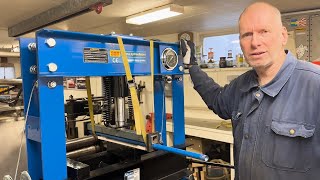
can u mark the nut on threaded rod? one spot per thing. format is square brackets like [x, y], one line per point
[32, 46]
[33, 69]
[52, 84]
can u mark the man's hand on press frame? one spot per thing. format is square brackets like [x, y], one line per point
[188, 52]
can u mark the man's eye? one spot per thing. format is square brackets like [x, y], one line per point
[246, 35]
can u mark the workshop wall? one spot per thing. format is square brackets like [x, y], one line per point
[16, 64]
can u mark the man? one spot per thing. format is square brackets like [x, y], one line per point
[274, 108]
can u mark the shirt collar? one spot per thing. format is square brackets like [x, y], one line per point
[274, 86]
[252, 82]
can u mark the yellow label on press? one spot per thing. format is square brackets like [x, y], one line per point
[115, 53]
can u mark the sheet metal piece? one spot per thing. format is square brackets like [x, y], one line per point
[68, 9]
[119, 133]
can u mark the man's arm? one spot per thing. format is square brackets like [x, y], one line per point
[216, 98]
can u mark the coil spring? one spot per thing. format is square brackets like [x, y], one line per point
[106, 106]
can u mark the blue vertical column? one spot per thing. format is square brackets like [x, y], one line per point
[160, 108]
[27, 60]
[52, 126]
[178, 110]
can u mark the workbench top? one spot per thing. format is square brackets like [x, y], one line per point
[206, 128]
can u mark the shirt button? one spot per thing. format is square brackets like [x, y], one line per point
[292, 131]
[258, 94]
[246, 136]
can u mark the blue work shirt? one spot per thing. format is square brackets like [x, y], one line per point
[276, 126]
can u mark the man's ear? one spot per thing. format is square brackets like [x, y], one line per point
[284, 36]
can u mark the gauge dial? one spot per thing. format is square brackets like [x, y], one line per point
[169, 59]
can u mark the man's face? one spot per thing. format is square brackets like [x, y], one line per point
[262, 38]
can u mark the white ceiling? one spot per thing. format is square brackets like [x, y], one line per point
[200, 15]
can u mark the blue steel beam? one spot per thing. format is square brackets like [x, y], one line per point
[160, 108]
[68, 55]
[28, 59]
[178, 110]
[52, 129]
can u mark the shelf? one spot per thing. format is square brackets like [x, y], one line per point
[9, 54]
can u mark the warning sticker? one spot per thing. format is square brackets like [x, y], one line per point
[95, 55]
[133, 56]
[115, 53]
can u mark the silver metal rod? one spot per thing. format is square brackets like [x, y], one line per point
[120, 110]
[301, 12]
[84, 151]
[79, 143]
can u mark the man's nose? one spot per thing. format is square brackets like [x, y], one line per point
[255, 41]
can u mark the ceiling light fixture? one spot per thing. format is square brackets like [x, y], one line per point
[155, 14]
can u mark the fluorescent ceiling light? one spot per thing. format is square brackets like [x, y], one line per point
[156, 14]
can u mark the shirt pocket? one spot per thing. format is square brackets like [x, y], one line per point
[236, 118]
[288, 146]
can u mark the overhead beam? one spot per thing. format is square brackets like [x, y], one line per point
[66, 10]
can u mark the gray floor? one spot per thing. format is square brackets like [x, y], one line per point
[10, 138]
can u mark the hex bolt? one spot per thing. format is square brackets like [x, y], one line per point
[52, 84]
[168, 79]
[51, 42]
[181, 68]
[52, 67]
[33, 69]
[32, 46]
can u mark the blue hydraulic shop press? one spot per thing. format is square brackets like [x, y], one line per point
[54, 55]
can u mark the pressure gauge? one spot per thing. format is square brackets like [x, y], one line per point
[169, 59]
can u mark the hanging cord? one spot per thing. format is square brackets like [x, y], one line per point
[23, 131]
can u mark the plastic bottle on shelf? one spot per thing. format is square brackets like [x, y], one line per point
[210, 58]
[240, 60]
[230, 60]
[210, 54]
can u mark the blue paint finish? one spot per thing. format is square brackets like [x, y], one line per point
[181, 152]
[46, 125]
[176, 70]
[178, 110]
[33, 129]
[27, 59]
[71, 63]
[53, 144]
[160, 108]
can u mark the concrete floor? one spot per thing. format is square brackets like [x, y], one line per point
[10, 138]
